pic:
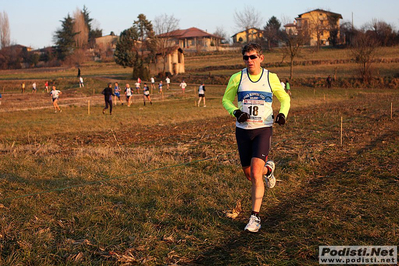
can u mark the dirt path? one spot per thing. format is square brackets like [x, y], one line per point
[36, 101]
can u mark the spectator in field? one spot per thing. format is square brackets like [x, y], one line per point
[55, 94]
[117, 92]
[81, 84]
[108, 93]
[128, 94]
[34, 88]
[254, 87]
[329, 81]
[152, 83]
[78, 72]
[287, 87]
[201, 94]
[183, 86]
[46, 86]
[167, 82]
[23, 87]
[146, 92]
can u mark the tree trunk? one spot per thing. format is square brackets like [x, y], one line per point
[292, 67]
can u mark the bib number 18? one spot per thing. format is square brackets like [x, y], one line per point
[253, 110]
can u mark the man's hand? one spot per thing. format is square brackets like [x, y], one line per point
[280, 119]
[241, 116]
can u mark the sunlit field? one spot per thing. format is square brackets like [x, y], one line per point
[157, 184]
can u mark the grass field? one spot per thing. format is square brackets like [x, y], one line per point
[152, 185]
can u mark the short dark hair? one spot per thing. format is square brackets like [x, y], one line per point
[252, 47]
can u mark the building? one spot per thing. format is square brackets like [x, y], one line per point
[19, 47]
[291, 29]
[244, 36]
[173, 63]
[320, 25]
[192, 40]
[107, 42]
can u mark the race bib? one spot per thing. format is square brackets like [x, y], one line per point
[255, 109]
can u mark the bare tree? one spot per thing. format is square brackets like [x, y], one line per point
[163, 26]
[222, 34]
[81, 29]
[347, 32]
[293, 44]
[4, 30]
[363, 49]
[248, 18]
[381, 31]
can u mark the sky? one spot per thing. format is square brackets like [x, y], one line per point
[33, 23]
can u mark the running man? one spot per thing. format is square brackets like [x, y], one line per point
[183, 86]
[128, 94]
[34, 88]
[255, 87]
[46, 86]
[160, 86]
[108, 93]
[137, 85]
[146, 92]
[201, 94]
[117, 92]
[55, 94]
[81, 84]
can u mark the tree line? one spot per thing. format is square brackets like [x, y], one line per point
[363, 42]
[75, 35]
[138, 46]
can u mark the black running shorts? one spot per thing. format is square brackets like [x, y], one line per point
[253, 143]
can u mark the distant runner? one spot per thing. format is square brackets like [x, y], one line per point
[108, 93]
[146, 92]
[55, 94]
[128, 94]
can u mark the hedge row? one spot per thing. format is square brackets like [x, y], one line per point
[388, 82]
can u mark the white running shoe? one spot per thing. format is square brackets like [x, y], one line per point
[253, 224]
[270, 179]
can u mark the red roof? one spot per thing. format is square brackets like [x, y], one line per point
[290, 25]
[188, 33]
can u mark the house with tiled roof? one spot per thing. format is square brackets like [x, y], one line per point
[320, 25]
[290, 28]
[252, 34]
[192, 39]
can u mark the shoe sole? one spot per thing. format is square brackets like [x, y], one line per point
[267, 180]
[270, 184]
[247, 230]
